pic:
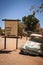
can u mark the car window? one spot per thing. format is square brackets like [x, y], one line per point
[36, 39]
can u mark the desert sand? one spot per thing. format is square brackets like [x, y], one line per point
[12, 56]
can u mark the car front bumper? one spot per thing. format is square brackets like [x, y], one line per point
[30, 52]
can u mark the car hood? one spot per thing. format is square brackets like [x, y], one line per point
[31, 45]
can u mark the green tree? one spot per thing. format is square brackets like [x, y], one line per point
[37, 9]
[21, 25]
[30, 22]
[0, 31]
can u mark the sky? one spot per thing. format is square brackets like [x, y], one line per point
[16, 9]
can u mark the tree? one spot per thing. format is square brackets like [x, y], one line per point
[0, 31]
[30, 22]
[20, 28]
[39, 8]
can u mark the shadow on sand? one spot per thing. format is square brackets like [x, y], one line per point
[3, 51]
[31, 55]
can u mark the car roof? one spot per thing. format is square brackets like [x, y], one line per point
[37, 35]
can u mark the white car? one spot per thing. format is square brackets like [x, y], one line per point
[33, 45]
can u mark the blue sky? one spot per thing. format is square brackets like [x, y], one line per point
[16, 9]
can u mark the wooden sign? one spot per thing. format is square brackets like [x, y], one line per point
[11, 27]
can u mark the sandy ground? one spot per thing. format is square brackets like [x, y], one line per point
[13, 57]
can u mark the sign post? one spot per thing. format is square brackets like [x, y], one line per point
[5, 43]
[16, 43]
[11, 30]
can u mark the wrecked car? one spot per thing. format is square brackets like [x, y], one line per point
[33, 45]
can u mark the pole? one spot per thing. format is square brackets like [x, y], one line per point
[5, 43]
[17, 43]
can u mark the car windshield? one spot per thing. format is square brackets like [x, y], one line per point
[36, 39]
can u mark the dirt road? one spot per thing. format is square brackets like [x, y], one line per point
[12, 56]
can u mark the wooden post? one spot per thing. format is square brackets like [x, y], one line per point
[17, 43]
[5, 43]
[26, 37]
